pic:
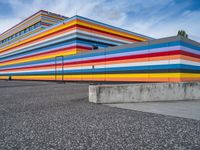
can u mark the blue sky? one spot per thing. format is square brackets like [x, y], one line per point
[155, 18]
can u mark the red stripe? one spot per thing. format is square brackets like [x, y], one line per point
[73, 27]
[46, 24]
[127, 57]
[169, 53]
[11, 49]
[108, 33]
[23, 21]
[56, 50]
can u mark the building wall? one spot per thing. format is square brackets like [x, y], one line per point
[33, 24]
[165, 60]
[66, 52]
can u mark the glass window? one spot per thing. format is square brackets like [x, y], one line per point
[38, 24]
[32, 27]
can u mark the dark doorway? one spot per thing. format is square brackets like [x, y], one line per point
[59, 68]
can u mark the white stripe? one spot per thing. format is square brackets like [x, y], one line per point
[46, 40]
[190, 50]
[102, 36]
[147, 63]
[44, 44]
[134, 64]
[188, 62]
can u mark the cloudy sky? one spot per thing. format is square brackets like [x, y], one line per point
[155, 18]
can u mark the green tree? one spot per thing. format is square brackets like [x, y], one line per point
[182, 33]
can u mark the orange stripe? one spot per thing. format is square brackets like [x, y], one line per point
[190, 58]
[39, 36]
[40, 57]
[100, 26]
[105, 34]
[189, 79]
[19, 25]
[117, 62]
[112, 79]
[43, 38]
[45, 34]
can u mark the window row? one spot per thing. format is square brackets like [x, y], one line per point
[21, 33]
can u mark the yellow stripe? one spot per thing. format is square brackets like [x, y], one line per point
[162, 75]
[32, 32]
[25, 22]
[60, 27]
[31, 22]
[150, 75]
[39, 29]
[110, 30]
[3, 77]
[71, 52]
[49, 21]
[190, 75]
[18, 29]
[143, 75]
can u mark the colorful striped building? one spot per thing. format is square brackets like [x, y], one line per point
[81, 49]
[33, 24]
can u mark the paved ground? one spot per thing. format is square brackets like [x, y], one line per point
[39, 115]
[186, 109]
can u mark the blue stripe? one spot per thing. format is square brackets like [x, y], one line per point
[101, 70]
[190, 45]
[98, 53]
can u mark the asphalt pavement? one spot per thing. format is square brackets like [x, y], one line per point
[49, 115]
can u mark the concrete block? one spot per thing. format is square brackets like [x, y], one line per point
[144, 92]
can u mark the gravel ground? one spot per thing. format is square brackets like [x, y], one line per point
[46, 115]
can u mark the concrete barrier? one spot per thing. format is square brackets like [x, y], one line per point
[144, 92]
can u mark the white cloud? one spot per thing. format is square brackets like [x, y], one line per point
[156, 18]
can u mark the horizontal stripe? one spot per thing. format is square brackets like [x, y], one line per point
[89, 69]
[149, 75]
[107, 72]
[127, 57]
[86, 26]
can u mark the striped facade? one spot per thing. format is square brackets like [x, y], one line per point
[80, 49]
[33, 24]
